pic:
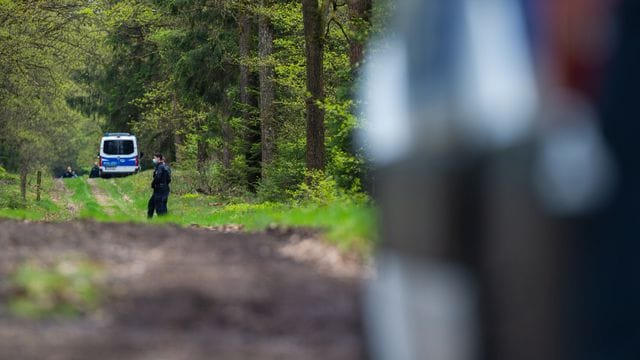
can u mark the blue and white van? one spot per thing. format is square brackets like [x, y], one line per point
[119, 154]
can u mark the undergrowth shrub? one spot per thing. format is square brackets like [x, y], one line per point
[322, 189]
[11, 199]
[7, 178]
[281, 177]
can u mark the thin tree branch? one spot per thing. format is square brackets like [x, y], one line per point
[333, 19]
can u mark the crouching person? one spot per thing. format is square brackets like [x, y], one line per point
[160, 186]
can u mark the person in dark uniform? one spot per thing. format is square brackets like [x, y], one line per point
[69, 173]
[95, 171]
[160, 186]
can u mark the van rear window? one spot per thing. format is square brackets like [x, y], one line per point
[118, 147]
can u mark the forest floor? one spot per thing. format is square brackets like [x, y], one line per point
[171, 292]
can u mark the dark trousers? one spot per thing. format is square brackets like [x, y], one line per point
[157, 203]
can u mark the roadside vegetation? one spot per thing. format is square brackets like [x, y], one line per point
[13, 206]
[347, 220]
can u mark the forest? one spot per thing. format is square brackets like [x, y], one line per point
[244, 98]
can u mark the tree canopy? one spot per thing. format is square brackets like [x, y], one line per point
[234, 92]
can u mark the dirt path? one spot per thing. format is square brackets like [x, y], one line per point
[179, 293]
[101, 197]
[62, 196]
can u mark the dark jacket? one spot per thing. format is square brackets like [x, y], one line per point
[95, 172]
[161, 178]
[68, 174]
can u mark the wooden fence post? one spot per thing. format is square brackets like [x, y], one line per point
[39, 185]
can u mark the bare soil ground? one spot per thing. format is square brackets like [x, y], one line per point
[62, 195]
[176, 293]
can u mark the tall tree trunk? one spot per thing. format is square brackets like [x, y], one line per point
[176, 139]
[38, 184]
[247, 101]
[202, 154]
[267, 87]
[244, 45]
[360, 20]
[314, 44]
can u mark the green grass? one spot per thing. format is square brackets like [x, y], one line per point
[69, 288]
[349, 224]
[121, 205]
[346, 222]
[12, 206]
[88, 206]
[32, 214]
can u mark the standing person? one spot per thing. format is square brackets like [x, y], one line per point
[69, 173]
[160, 186]
[95, 171]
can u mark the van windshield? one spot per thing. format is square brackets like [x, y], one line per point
[118, 147]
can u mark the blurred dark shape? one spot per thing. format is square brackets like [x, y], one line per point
[610, 269]
[506, 179]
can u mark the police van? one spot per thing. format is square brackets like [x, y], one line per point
[119, 155]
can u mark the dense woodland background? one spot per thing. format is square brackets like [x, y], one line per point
[242, 96]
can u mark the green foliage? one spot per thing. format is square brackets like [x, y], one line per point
[347, 219]
[67, 288]
[169, 71]
[10, 198]
[7, 178]
[89, 207]
[172, 76]
[351, 225]
[49, 43]
[214, 178]
[186, 182]
[345, 162]
[284, 173]
[12, 205]
[317, 188]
